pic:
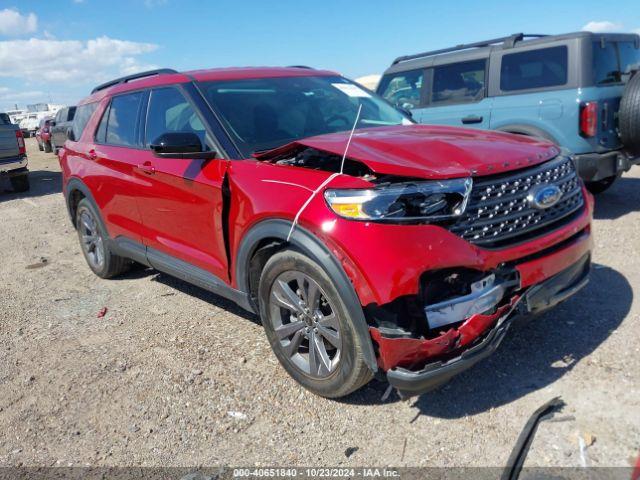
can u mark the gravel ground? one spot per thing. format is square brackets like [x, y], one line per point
[173, 375]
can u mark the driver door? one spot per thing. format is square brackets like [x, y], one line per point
[181, 201]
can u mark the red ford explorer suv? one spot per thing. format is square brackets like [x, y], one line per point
[367, 244]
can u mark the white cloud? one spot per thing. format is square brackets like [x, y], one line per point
[13, 23]
[603, 26]
[72, 61]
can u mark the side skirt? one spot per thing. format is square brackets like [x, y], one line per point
[180, 269]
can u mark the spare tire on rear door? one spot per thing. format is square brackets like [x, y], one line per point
[629, 115]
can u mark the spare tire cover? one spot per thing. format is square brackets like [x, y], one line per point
[629, 115]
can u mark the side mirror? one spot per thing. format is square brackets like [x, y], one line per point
[52, 123]
[70, 135]
[180, 145]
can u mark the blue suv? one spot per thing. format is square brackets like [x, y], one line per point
[577, 90]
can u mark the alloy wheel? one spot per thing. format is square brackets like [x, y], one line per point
[92, 243]
[305, 323]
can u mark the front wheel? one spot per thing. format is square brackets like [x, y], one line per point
[601, 185]
[308, 326]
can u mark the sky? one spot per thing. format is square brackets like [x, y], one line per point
[57, 51]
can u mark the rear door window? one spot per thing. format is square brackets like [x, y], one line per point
[459, 82]
[71, 113]
[121, 127]
[83, 115]
[543, 68]
[403, 89]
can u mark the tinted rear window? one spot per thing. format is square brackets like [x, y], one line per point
[83, 115]
[613, 61]
[542, 68]
[119, 125]
[458, 82]
[4, 119]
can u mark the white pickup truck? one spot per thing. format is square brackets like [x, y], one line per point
[13, 154]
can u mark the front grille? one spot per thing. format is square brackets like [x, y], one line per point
[499, 214]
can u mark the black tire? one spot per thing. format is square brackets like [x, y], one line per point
[101, 260]
[20, 183]
[601, 185]
[348, 371]
[40, 147]
[47, 147]
[629, 115]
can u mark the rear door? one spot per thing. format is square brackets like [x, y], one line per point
[457, 95]
[113, 156]
[181, 202]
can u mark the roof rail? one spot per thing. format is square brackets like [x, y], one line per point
[300, 66]
[508, 42]
[135, 76]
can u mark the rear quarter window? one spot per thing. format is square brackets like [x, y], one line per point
[543, 68]
[83, 115]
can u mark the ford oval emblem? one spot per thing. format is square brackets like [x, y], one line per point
[544, 196]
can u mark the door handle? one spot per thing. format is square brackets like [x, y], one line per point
[472, 119]
[147, 168]
[92, 154]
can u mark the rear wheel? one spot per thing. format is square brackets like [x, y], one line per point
[20, 183]
[40, 146]
[47, 147]
[308, 326]
[94, 243]
[601, 185]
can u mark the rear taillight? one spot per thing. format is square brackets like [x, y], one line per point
[589, 119]
[21, 146]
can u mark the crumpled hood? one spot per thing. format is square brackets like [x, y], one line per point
[425, 151]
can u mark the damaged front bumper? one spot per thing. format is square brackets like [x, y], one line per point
[478, 336]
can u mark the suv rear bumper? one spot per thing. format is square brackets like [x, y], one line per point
[593, 167]
[13, 166]
[534, 300]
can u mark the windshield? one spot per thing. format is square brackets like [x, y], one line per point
[265, 113]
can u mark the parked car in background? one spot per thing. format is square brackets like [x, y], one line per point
[35, 113]
[13, 154]
[30, 123]
[16, 115]
[43, 135]
[576, 90]
[60, 126]
[406, 253]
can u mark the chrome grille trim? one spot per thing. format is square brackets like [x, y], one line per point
[499, 214]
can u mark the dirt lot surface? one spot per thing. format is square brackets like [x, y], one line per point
[173, 375]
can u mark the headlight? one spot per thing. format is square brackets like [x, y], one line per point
[401, 202]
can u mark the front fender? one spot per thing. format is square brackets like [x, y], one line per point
[306, 242]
